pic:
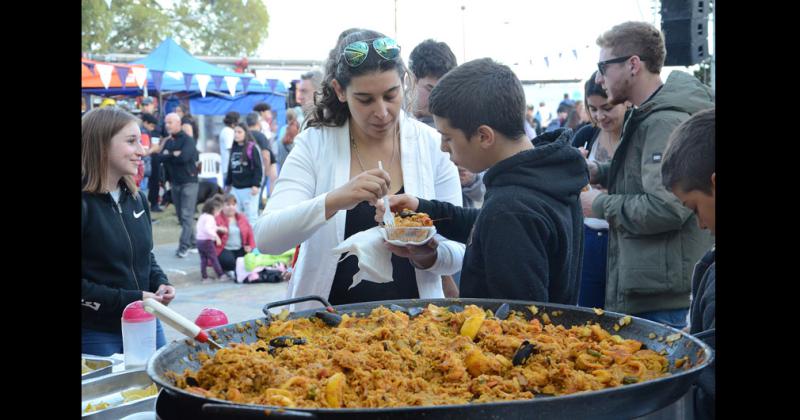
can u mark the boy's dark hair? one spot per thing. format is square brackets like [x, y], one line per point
[481, 92]
[689, 159]
[149, 118]
[231, 118]
[431, 58]
[210, 205]
[261, 107]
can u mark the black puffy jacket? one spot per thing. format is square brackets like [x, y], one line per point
[117, 262]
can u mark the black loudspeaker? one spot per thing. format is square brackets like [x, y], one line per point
[685, 27]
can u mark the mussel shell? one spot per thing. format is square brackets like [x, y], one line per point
[414, 311]
[286, 341]
[525, 350]
[329, 318]
[395, 307]
[455, 308]
[191, 381]
[407, 213]
[502, 311]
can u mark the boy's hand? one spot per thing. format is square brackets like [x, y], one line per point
[421, 256]
[587, 198]
[397, 204]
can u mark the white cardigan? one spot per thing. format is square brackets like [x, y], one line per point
[319, 163]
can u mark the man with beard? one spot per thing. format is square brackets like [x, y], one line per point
[654, 241]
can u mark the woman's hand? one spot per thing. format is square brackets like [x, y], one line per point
[367, 186]
[166, 292]
[421, 256]
[397, 204]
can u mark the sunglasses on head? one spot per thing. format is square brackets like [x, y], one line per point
[356, 53]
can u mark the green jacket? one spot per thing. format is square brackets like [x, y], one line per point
[654, 241]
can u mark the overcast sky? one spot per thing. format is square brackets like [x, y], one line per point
[517, 33]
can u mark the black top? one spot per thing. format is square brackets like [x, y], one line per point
[526, 242]
[244, 166]
[117, 262]
[180, 169]
[585, 137]
[404, 286]
[703, 326]
[263, 143]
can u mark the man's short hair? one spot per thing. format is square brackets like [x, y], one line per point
[563, 108]
[689, 159]
[431, 58]
[481, 92]
[251, 119]
[315, 76]
[149, 118]
[636, 38]
[261, 107]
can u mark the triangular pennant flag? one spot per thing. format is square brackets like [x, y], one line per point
[217, 81]
[547, 61]
[575, 53]
[140, 75]
[108, 2]
[202, 82]
[90, 66]
[122, 72]
[105, 73]
[245, 82]
[272, 84]
[262, 79]
[177, 75]
[187, 80]
[231, 81]
[157, 78]
[559, 55]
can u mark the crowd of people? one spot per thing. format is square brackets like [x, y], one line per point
[608, 203]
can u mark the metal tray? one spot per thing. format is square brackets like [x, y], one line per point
[102, 366]
[109, 389]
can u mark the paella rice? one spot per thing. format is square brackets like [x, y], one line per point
[387, 359]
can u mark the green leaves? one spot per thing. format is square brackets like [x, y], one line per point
[203, 27]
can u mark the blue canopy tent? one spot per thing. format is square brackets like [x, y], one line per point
[170, 57]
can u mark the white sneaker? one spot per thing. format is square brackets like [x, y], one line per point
[194, 250]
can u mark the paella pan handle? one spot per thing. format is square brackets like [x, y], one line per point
[268, 306]
[250, 412]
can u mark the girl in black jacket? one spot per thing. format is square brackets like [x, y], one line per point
[117, 264]
[245, 172]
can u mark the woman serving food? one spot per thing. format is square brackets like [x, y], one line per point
[331, 180]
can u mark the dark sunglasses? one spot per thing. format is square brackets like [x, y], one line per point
[601, 66]
[356, 53]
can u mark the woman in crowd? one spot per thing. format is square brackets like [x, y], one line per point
[235, 234]
[117, 263]
[245, 172]
[226, 139]
[331, 180]
[599, 140]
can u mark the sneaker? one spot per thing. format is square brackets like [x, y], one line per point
[224, 278]
[181, 254]
[206, 281]
[194, 250]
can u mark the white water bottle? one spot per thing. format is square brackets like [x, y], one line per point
[138, 335]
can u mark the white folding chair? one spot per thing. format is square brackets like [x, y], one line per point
[211, 167]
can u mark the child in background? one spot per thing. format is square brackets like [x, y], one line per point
[207, 238]
[689, 171]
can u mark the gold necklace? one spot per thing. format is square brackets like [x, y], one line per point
[361, 164]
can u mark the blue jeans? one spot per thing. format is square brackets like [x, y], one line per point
[246, 203]
[592, 292]
[675, 318]
[100, 343]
